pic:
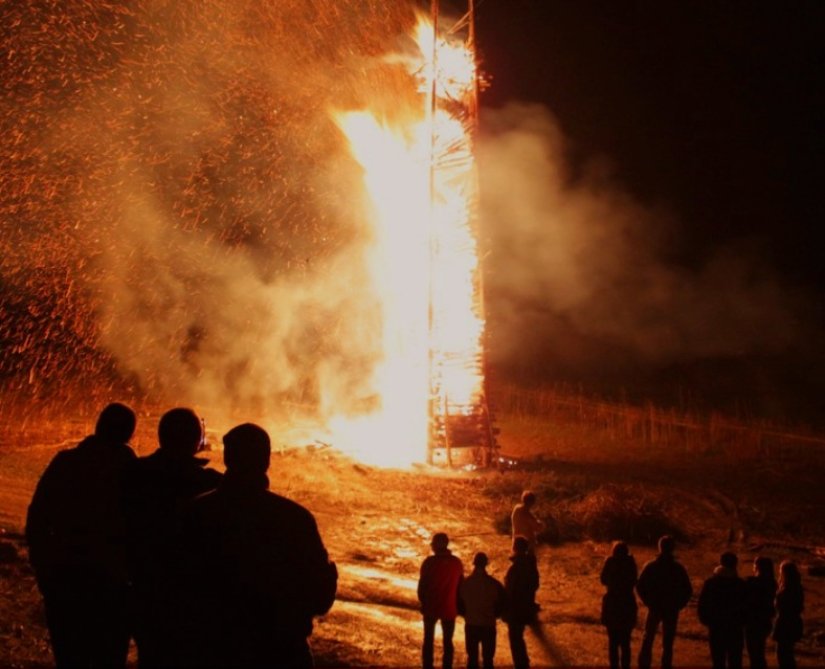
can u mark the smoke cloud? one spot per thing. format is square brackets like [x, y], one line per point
[180, 197]
[579, 274]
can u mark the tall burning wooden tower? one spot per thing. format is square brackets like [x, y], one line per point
[461, 430]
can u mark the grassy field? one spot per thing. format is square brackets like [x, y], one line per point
[592, 485]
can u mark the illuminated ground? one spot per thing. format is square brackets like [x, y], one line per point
[377, 525]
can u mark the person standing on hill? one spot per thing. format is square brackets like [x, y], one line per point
[760, 590]
[76, 533]
[721, 609]
[665, 589]
[524, 523]
[156, 488]
[619, 610]
[521, 584]
[790, 602]
[480, 600]
[438, 584]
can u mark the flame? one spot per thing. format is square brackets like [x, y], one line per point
[423, 260]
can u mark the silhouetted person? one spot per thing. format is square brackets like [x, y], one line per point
[619, 610]
[481, 600]
[524, 523]
[156, 488]
[760, 590]
[721, 609]
[259, 566]
[77, 544]
[521, 583]
[664, 588]
[441, 575]
[790, 602]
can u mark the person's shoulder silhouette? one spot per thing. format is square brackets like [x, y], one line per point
[157, 485]
[156, 488]
[75, 515]
[265, 553]
[76, 533]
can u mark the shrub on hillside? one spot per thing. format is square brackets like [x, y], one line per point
[627, 512]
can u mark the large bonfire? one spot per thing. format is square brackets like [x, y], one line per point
[184, 221]
[423, 258]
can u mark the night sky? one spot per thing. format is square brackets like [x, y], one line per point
[712, 112]
[711, 109]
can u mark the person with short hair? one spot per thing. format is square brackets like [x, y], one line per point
[524, 523]
[619, 610]
[721, 609]
[156, 488]
[760, 590]
[480, 600]
[258, 567]
[438, 584]
[76, 533]
[789, 603]
[521, 583]
[665, 589]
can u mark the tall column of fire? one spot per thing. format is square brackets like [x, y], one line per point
[459, 416]
[422, 257]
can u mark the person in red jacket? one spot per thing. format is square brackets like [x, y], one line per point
[441, 575]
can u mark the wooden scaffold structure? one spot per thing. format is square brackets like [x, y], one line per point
[461, 431]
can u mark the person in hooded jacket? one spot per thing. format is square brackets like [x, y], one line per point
[789, 603]
[156, 488]
[481, 600]
[520, 583]
[664, 588]
[258, 569]
[619, 610]
[438, 584]
[760, 590]
[721, 609]
[76, 533]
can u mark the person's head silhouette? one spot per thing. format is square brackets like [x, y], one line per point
[789, 576]
[667, 544]
[116, 423]
[246, 449]
[440, 542]
[728, 560]
[180, 432]
[763, 567]
[620, 549]
[520, 546]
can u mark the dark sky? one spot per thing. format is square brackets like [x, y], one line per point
[711, 109]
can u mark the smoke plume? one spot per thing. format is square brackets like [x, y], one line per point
[579, 274]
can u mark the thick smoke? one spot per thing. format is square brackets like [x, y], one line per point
[181, 200]
[580, 276]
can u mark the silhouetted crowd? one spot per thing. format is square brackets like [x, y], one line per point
[739, 613]
[204, 569]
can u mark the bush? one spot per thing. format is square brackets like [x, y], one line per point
[627, 512]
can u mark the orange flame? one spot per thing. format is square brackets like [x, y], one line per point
[423, 259]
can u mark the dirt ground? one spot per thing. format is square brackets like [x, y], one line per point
[377, 525]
